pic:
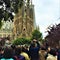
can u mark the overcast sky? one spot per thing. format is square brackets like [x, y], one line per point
[46, 13]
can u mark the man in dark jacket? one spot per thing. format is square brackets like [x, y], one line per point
[34, 50]
[59, 54]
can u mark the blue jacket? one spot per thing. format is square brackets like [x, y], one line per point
[34, 52]
[59, 54]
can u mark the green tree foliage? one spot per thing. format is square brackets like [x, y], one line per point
[7, 7]
[36, 34]
[21, 41]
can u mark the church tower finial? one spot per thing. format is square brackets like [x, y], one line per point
[31, 2]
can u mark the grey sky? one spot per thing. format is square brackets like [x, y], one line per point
[46, 13]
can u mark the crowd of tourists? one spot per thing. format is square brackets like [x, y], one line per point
[33, 52]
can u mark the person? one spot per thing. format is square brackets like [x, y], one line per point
[18, 55]
[42, 53]
[24, 53]
[13, 47]
[47, 52]
[58, 55]
[52, 55]
[1, 52]
[7, 54]
[34, 50]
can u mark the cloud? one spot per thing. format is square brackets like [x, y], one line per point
[46, 11]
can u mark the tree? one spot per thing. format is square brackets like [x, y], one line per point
[21, 41]
[36, 34]
[53, 36]
[8, 7]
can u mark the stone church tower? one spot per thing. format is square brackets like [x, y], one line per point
[24, 20]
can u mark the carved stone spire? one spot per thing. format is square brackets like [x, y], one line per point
[31, 2]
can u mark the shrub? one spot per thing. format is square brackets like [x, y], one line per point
[21, 41]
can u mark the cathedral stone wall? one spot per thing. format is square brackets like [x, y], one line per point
[24, 21]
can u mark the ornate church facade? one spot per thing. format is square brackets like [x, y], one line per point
[24, 20]
[6, 29]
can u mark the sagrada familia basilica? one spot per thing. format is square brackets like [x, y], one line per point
[23, 23]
